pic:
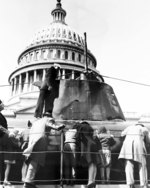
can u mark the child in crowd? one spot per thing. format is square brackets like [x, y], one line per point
[10, 155]
[24, 139]
[106, 140]
[70, 148]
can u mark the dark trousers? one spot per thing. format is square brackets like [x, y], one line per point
[40, 103]
[69, 161]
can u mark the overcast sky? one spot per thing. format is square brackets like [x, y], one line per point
[118, 34]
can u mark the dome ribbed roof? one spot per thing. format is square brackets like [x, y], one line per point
[57, 31]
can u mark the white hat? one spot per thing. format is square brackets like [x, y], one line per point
[56, 65]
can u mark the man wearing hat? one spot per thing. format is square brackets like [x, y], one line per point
[35, 152]
[133, 150]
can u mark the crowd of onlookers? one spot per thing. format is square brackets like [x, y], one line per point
[81, 144]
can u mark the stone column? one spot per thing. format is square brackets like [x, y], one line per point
[41, 55]
[15, 85]
[55, 54]
[59, 75]
[63, 74]
[82, 77]
[30, 82]
[24, 60]
[28, 58]
[72, 75]
[44, 73]
[12, 87]
[49, 54]
[63, 54]
[34, 80]
[35, 76]
[26, 86]
[20, 84]
[76, 56]
[82, 59]
[70, 55]
[34, 56]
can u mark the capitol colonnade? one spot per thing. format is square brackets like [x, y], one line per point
[31, 65]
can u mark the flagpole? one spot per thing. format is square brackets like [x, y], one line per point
[85, 53]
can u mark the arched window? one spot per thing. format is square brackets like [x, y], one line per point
[79, 57]
[73, 56]
[37, 55]
[74, 36]
[45, 53]
[66, 54]
[58, 54]
[50, 54]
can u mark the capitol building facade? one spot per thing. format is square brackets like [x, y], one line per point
[57, 43]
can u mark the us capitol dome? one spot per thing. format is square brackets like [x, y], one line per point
[57, 43]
